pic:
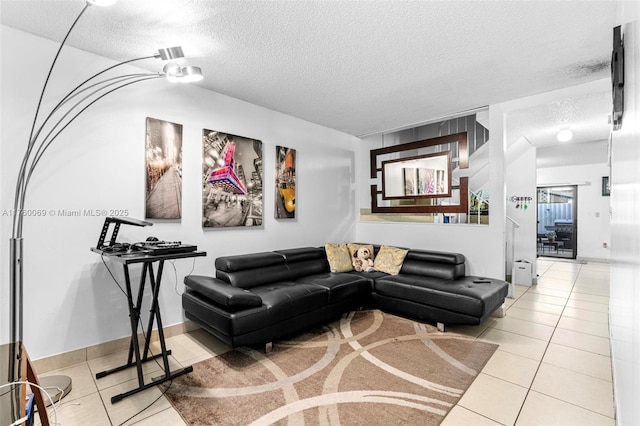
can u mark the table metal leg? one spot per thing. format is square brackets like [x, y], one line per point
[134, 347]
[155, 314]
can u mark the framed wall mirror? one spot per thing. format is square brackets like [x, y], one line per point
[415, 171]
[422, 176]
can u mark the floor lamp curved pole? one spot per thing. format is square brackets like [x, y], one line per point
[68, 109]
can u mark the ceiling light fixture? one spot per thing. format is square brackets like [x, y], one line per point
[44, 132]
[564, 135]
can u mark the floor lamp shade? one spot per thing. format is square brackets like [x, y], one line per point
[171, 53]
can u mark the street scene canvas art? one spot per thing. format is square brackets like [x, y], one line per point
[285, 187]
[232, 175]
[163, 147]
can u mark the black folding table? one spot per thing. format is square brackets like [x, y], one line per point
[135, 358]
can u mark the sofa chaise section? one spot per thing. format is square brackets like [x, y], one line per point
[434, 287]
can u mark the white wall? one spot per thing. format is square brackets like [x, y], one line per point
[98, 163]
[625, 236]
[594, 224]
[521, 182]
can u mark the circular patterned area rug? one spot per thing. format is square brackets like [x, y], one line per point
[368, 368]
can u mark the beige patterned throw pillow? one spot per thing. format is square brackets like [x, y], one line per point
[389, 260]
[338, 257]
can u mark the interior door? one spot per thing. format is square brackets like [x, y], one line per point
[557, 221]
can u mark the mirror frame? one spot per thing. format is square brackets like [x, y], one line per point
[387, 165]
[463, 163]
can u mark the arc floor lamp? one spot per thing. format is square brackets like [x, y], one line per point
[44, 131]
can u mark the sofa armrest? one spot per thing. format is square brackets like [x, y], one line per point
[222, 292]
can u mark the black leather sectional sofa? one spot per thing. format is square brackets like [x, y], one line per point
[257, 298]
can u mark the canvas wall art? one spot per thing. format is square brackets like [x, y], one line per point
[163, 169]
[285, 187]
[232, 175]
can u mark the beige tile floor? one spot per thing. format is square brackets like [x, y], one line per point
[553, 365]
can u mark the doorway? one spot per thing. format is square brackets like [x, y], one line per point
[557, 221]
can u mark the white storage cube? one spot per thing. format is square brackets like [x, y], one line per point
[521, 274]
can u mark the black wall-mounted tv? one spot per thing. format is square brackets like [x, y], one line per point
[617, 78]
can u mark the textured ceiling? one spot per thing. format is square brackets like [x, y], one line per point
[357, 66]
[586, 115]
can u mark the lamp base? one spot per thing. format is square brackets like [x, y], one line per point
[56, 386]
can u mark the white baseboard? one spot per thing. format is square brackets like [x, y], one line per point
[67, 359]
[592, 259]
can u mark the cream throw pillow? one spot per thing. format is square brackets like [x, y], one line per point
[338, 257]
[389, 260]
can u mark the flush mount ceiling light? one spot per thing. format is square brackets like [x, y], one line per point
[564, 135]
